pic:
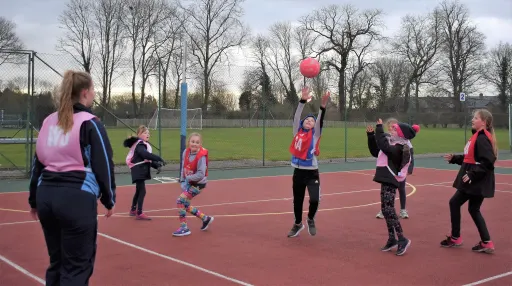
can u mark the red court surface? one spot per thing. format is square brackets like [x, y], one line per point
[503, 164]
[247, 243]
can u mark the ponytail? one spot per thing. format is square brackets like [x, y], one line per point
[72, 85]
[494, 142]
[486, 116]
[65, 111]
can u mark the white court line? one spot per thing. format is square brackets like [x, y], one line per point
[175, 260]
[489, 279]
[284, 199]
[17, 222]
[22, 270]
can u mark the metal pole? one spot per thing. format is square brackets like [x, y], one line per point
[510, 126]
[31, 102]
[345, 115]
[184, 90]
[27, 121]
[159, 108]
[264, 131]
[465, 121]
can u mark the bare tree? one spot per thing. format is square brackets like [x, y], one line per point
[108, 15]
[339, 29]
[8, 39]
[214, 27]
[142, 22]
[418, 42]
[357, 66]
[168, 39]
[260, 47]
[281, 59]
[463, 48]
[499, 72]
[304, 40]
[381, 70]
[78, 41]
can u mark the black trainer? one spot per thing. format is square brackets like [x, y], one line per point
[390, 244]
[311, 227]
[207, 223]
[403, 245]
[296, 229]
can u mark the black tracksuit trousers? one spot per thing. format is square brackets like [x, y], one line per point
[68, 217]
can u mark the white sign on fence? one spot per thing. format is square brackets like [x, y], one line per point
[462, 96]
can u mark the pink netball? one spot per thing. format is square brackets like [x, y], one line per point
[309, 67]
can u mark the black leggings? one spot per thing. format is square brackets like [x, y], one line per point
[68, 217]
[138, 198]
[475, 202]
[403, 195]
[387, 205]
[303, 179]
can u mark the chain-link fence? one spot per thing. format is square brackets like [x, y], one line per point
[245, 120]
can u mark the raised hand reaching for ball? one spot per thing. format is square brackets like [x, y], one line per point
[325, 98]
[306, 94]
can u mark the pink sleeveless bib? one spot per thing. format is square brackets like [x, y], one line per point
[129, 157]
[61, 152]
[382, 161]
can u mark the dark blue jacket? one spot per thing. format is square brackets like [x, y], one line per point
[142, 172]
[94, 136]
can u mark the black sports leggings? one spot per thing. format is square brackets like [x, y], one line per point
[387, 206]
[303, 179]
[475, 202]
[140, 193]
[403, 195]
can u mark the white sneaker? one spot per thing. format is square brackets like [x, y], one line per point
[380, 215]
[404, 214]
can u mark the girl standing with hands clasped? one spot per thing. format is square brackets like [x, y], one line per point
[393, 159]
[305, 149]
[194, 176]
[475, 180]
[140, 160]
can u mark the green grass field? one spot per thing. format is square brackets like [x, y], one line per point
[247, 143]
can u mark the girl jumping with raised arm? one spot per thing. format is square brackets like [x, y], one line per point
[393, 160]
[305, 149]
[475, 180]
[194, 176]
[401, 188]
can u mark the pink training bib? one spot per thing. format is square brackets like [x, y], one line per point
[61, 152]
[129, 157]
[382, 161]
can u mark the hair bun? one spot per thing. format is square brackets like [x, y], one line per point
[416, 128]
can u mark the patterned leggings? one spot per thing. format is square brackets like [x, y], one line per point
[184, 206]
[387, 204]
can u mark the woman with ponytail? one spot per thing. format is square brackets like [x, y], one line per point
[73, 167]
[475, 180]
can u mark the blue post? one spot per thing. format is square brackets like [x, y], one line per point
[183, 124]
[183, 98]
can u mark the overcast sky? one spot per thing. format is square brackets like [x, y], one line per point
[38, 26]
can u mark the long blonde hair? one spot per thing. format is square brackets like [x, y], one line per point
[486, 116]
[72, 85]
